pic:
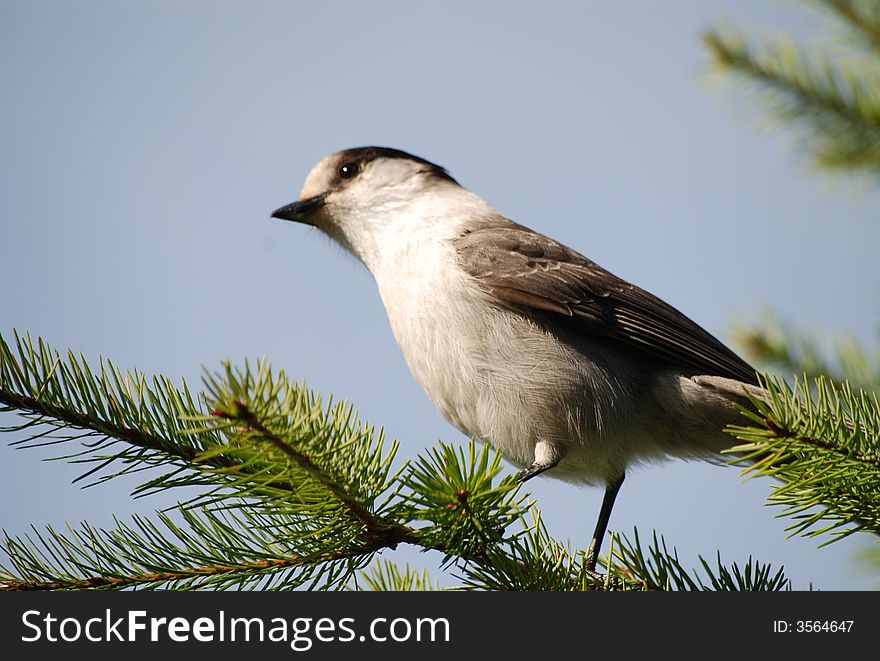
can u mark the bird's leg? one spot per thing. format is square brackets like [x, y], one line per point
[602, 524]
[546, 457]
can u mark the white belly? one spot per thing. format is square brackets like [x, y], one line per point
[498, 377]
[502, 379]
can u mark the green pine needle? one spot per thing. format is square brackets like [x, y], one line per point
[385, 576]
[657, 568]
[821, 442]
[779, 345]
[832, 102]
[295, 493]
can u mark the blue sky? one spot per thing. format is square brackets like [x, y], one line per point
[143, 146]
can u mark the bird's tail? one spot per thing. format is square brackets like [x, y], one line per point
[742, 394]
[732, 389]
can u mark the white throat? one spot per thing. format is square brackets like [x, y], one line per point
[408, 227]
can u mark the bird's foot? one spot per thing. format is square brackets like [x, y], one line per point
[547, 456]
[536, 468]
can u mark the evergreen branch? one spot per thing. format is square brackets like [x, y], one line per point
[808, 86]
[257, 431]
[254, 431]
[228, 451]
[533, 560]
[824, 448]
[839, 103]
[157, 579]
[385, 576]
[538, 562]
[216, 551]
[321, 465]
[659, 569]
[263, 444]
[455, 493]
[243, 543]
[66, 399]
[780, 346]
[299, 493]
[863, 16]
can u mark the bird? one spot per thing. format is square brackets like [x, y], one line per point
[520, 341]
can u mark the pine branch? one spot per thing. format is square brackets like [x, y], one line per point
[824, 448]
[254, 433]
[533, 560]
[455, 492]
[780, 346]
[298, 493]
[266, 447]
[214, 550]
[862, 15]
[537, 562]
[835, 104]
[656, 568]
[329, 479]
[230, 447]
[385, 576]
[39, 385]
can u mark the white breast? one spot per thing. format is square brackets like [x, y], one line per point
[425, 304]
[496, 375]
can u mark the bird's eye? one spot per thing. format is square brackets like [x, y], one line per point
[348, 170]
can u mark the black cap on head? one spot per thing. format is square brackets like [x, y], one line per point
[367, 154]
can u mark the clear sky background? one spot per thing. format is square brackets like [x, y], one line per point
[144, 145]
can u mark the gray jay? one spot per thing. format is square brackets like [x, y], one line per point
[520, 341]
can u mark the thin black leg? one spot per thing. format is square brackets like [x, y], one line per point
[602, 524]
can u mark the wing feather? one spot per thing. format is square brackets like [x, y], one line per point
[528, 272]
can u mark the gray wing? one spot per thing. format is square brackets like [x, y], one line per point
[528, 272]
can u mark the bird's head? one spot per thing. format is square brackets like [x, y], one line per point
[353, 195]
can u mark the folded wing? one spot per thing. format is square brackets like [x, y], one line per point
[531, 273]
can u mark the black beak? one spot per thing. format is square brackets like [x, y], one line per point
[300, 210]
